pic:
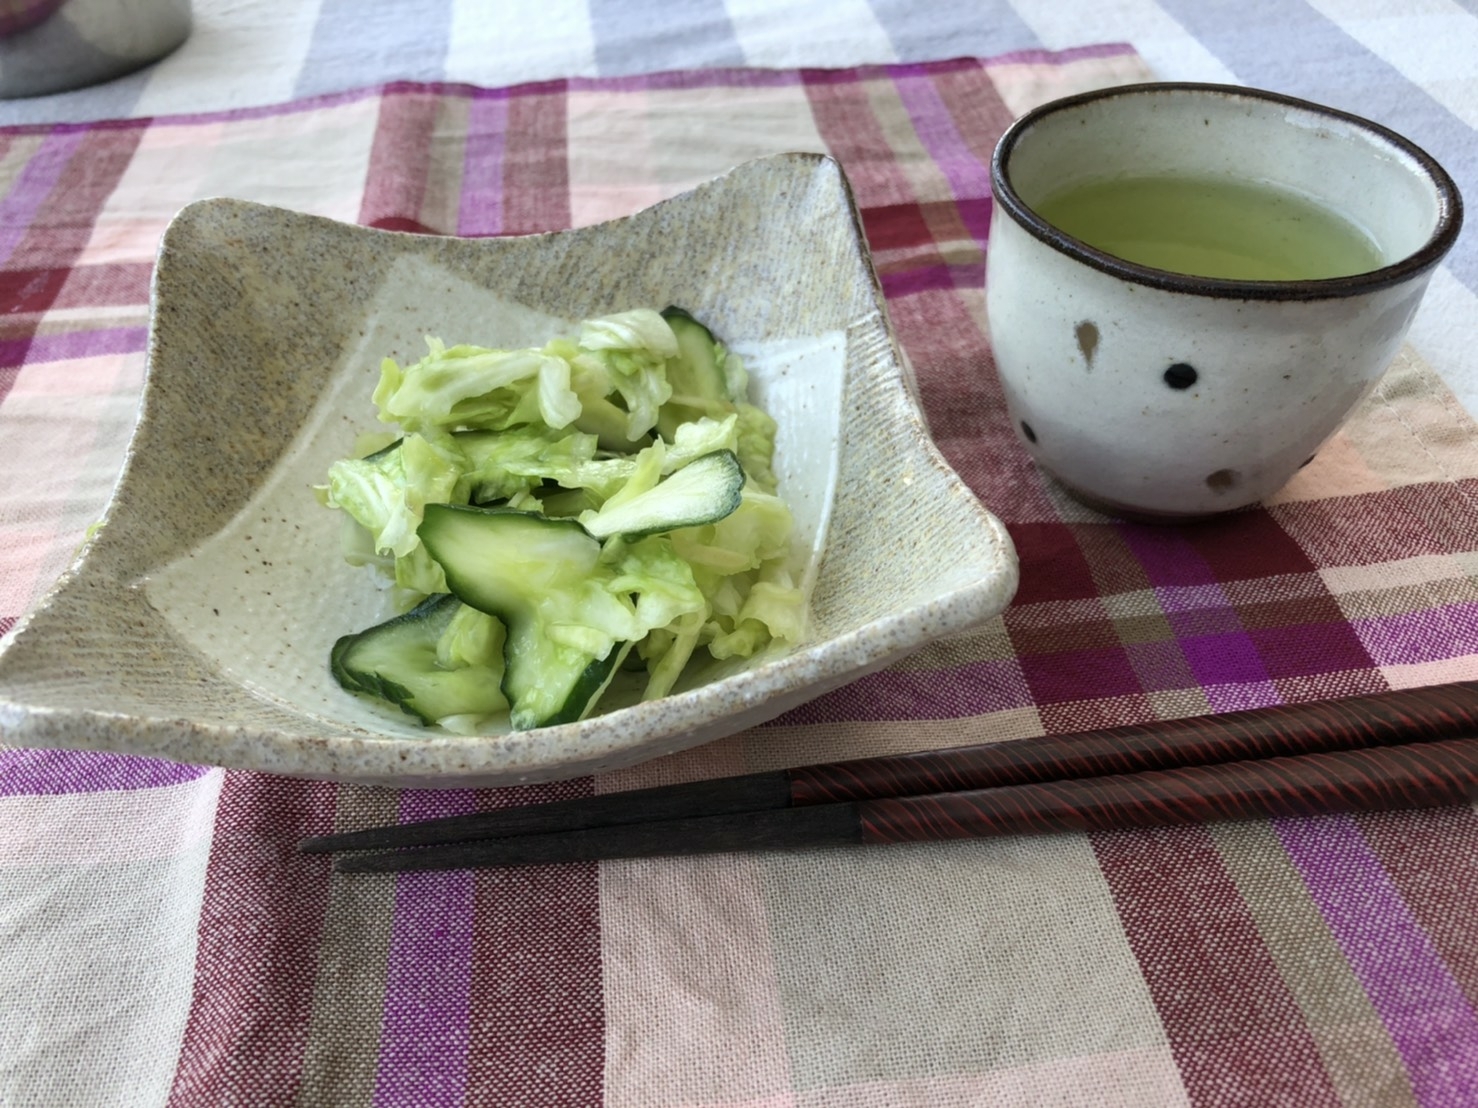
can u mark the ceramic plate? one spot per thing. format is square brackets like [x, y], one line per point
[196, 624]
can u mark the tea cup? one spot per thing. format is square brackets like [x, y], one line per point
[1148, 391]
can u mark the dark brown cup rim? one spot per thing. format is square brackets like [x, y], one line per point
[1449, 207]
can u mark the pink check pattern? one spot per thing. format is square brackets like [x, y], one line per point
[1273, 962]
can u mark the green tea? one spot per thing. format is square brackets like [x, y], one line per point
[1212, 227]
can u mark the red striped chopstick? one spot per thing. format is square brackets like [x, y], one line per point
[1426, 715]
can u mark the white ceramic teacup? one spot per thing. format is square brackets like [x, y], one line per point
[1153, 393]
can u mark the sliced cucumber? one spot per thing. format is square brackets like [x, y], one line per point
[696, 371]
[397, 661]
[566, 633]
[599, 417]
[560, 503]
[705, 490]
[699, 387]
[384, 452]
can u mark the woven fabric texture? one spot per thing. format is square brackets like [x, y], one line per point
[164, 943]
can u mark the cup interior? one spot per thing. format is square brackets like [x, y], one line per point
[1386, 186]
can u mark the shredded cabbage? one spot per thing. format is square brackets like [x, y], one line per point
[575, 428]
[631, 350]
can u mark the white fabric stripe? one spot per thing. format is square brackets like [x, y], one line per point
[60, 460]
[781, 34]
[526, 42]
[1408, 573]
[142, 824]
[100, 958]
[1432, 43]
[1169, 50]
[1442, 333]
[86, 316]
[243, 51]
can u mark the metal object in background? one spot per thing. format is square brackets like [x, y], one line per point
[54, 45]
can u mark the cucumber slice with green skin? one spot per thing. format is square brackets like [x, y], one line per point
[566, 633]
[396, 661]
[384, 451]
[699, 387]
[705, 490]
[696, 371]
[566, 503]
[582, 696]
[599, 417]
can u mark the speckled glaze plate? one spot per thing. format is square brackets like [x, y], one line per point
[196, 624]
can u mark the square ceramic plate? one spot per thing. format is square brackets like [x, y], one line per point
[196, 625]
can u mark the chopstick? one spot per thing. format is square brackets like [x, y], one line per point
[1373, 779]
[1428, 714]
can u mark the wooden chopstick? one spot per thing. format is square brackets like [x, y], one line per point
[1429, 714]
[1372, 779]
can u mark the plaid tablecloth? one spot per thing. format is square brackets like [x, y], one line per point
[1408, 63]
[161, 941]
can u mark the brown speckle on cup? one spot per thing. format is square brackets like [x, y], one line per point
[1223, 480]
[1087, 333]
